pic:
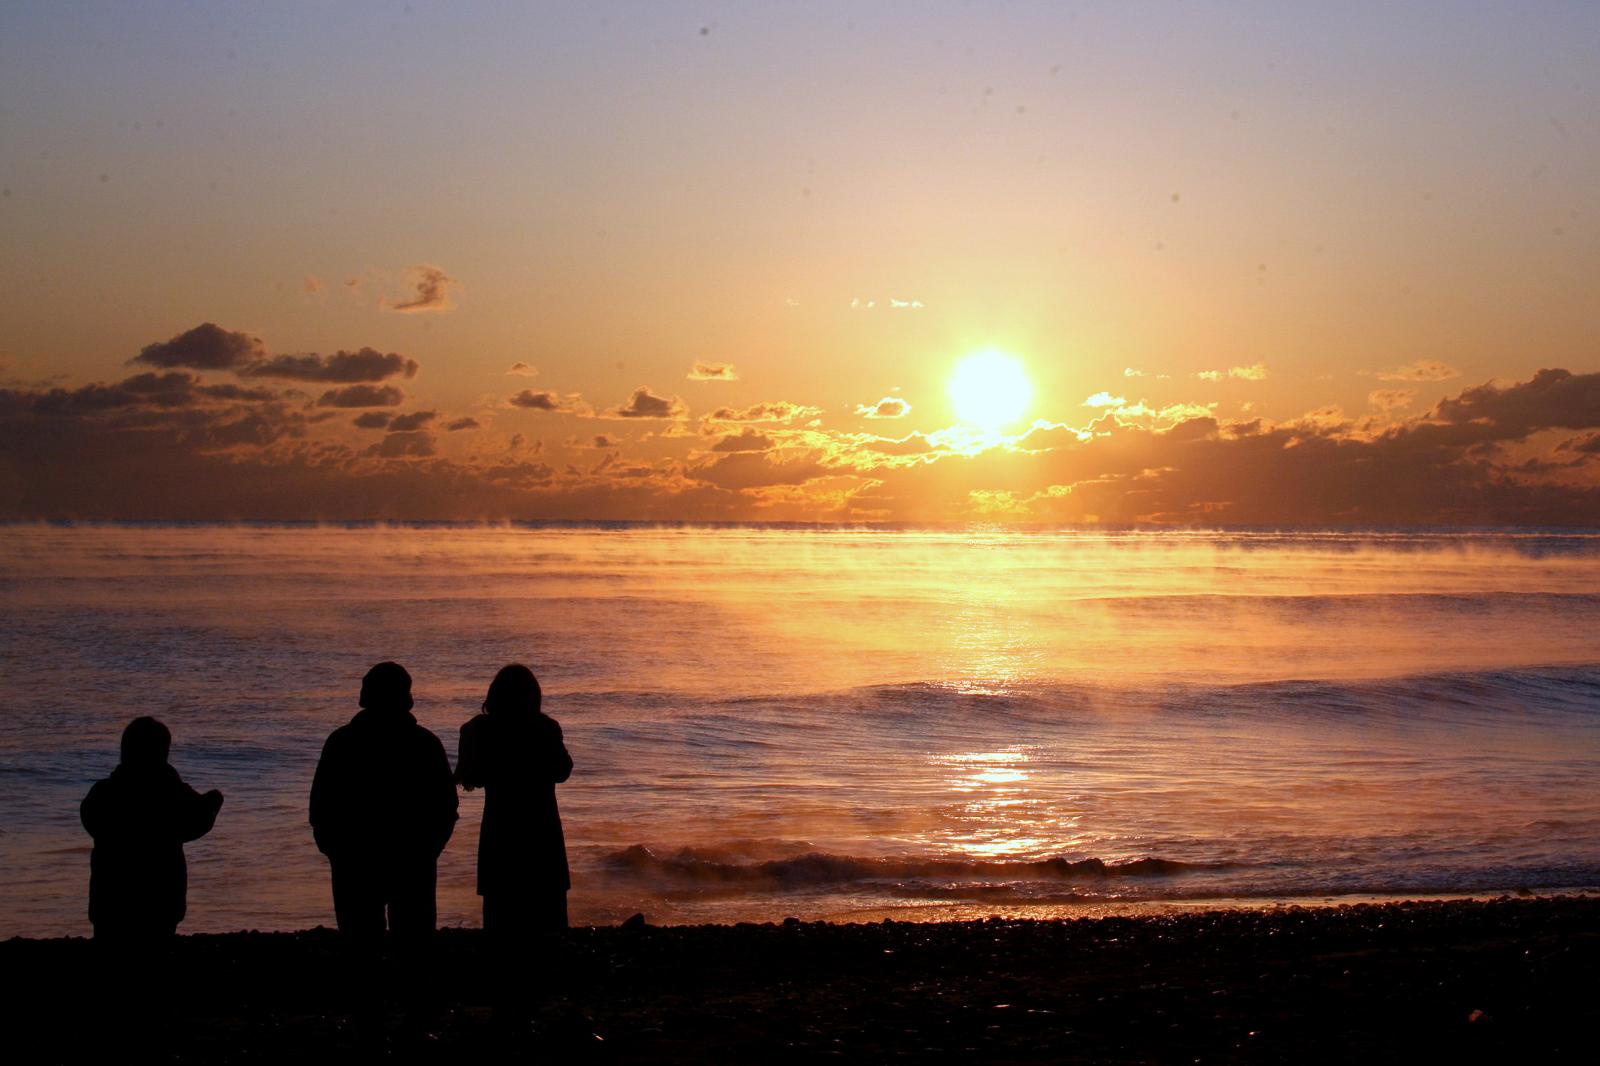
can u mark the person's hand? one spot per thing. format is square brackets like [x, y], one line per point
[215, 799]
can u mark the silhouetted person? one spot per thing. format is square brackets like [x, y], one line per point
[140, 817]
[514, 751]
[383, 805]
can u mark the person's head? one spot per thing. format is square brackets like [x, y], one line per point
[387, 687]
[145, 742]
[514, 690]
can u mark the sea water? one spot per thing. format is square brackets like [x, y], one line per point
[838, 723]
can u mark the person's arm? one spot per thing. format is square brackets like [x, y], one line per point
[442, 786]
[92, 812]
[325, 801]
[196, 813]
[557, 763]
[471, 766]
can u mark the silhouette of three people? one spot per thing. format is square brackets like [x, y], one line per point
[140, 817]
[383, 807]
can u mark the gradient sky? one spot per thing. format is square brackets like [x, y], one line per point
[1274, 237]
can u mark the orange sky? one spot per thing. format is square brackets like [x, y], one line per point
[1261, 264]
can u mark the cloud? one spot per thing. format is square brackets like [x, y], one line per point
[228, 391]
[746, 440]
[1130, 372]
[744, 470]
[1552, 399]
[372, 420]
[415, 420]
[599, 440]
[1589, 445]
[1104, 399]
[523, 370]
[769, 411]
[713, 372]
[433, 292]
[205, 347]
[167, 444]
[1388, 400]
[888, 407]
[459, 424]
[1421, 370]
[645, 404]
[363, 365]
[410, 444]
[544, 400]
[1244, 373]
[312, 285]
[362, 396]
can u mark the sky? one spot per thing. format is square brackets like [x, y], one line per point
[1266, 264]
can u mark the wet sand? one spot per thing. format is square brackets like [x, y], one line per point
[1503, 980]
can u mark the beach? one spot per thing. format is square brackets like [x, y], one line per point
[1494, 980]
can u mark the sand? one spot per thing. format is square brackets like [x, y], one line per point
[1509, 980]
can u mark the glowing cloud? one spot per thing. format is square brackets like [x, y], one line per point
[769, 411]
[888, 407]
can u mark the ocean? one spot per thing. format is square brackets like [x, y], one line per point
[838, 723]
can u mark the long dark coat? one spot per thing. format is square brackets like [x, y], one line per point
[140, 817]
[383, 793]
[518, 759]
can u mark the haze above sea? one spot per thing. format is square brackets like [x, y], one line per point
[839, 723]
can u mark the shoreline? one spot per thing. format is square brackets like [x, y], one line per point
[1507, 979]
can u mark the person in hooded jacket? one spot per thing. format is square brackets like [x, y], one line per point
[140, 817]
[516, 754]
[383, 806]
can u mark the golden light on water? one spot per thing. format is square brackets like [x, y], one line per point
[989, 389]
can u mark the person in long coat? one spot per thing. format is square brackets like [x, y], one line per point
[140, 817]
[516, 753]
[383, 806]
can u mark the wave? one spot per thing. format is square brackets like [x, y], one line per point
[820, 868]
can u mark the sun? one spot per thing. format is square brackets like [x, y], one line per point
[990, 390]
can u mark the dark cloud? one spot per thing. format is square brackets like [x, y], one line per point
[542, 400]
[432, 292]
[172, 389]
[205, 347]
[237, 392]
[1553, 399]
[362, 396]
[363, 365]
[747, 440]
[1589, 445]
[372, 420]
[411, 444]
[522, 370]
[459, 424]
[770, 411]
[645, 404]
[414, 420]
